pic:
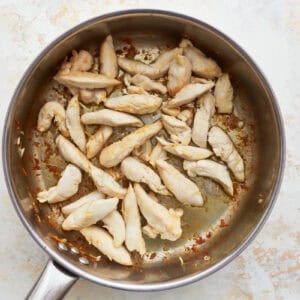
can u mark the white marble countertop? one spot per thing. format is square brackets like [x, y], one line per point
[269, 30]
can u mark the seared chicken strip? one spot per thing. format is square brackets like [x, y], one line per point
[148, 84]
[97, 141]
[133, 239]
[224, 95]
[189, 93]
[202, 119]
[223, 147]
[89, 213]
[104, 243]
[116, 152]
[154, 70]
[201, 65]
[92, 96]
[165, 222]
[66, 187]
[95, 195]
[134, 103]
[86, 80]
[185, 190]
[185, 152]
[158, 153]
[136, 171]
[144, 151]
[179, 75]
[179, 131]
[115, 225]
[186, 116]
[111, 118]
[50, 110]
[102, 180]
[211, 169]
[108, 58]
[74, 125]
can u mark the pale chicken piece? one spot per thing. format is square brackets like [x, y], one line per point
[127, 79]
[224, 148]
[144, 151]
[74, 125]
[103, 181]
[211, 169]
[89, 213]
[179, 75]
[189, 93]
[72, 154]
[134, 103]
[113, 154]
[106, 184]
[133, 238]
[224, 95]
[185, 152]
[100, 239]
[136, 171]
[150, 232]
[81, 61]
[178, 130]
[115, 225]
[108, 58]
[185, 190]
[201, 65]
[50, 110]
[148, 84]
[97, 141]
[202, 119]
[166, 222]
[158, 153]
[66, 187]
[95, 195]
[186, 116]
[133, 89]
[111, 118]
[86, 80]
[154, 70]
[92, 96]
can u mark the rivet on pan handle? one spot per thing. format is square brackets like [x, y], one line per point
[53, 283]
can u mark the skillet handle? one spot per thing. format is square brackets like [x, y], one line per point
[53, 283]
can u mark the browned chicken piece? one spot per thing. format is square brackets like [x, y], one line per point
[113, 154]
[189, 93]
[224, 95]
[179, 74]
[201, 65]
[224, 148]
[134, 103]
[86, 80]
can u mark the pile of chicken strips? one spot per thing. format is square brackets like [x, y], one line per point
[182, 89]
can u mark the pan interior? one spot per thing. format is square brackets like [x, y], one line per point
[211, 232]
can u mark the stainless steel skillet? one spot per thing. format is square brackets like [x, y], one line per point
[215, 234]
